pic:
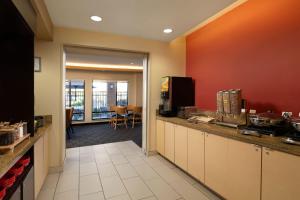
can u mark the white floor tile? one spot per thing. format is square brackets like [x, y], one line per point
[94, 196]
[162, 190]
[135, 160]
[107, 170]
[126, 171]
[146, 172]
[46, 194]
[137, 188]
[67, 182]
[153, 161]
[90, 184]
[112, 150]
[206, 191]
[185, 176]
[51, 181]
[88, 168]
[113, 186]
[71, 167]
[69, 195]
[187, 191]
[85, 150]
[102, 159]
[121, 197]
[165, 161]
[118, 159]
[150, 198]
[145, 178]
[169, 175]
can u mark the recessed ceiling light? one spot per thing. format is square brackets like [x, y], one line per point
[168, 30]
[96, 18]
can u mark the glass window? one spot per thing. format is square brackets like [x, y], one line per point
[100, 106]
[107, 94]
[122, 93]
[74, 97]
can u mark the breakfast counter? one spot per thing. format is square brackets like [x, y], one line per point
[274, 143]
[8, 159]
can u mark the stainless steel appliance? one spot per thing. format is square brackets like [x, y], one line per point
[176, 92]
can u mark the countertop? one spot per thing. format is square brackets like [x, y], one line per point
[232, 133]
[9, 159]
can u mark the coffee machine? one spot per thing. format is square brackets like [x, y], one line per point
[176, 92]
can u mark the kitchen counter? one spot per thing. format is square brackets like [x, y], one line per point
[265, 141]
[9, 159]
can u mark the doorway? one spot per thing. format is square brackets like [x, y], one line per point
[95, 80]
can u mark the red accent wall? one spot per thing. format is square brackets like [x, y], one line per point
[255, 47]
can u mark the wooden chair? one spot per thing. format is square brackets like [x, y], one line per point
[136, 115]
[130, 108]
[112, 110]
[121, 117]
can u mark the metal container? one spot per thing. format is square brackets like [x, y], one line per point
[220, 107]
[266, 119]
[235, 101]
[226, 102]
[296, 124]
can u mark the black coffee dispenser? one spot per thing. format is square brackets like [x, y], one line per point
[176, 92]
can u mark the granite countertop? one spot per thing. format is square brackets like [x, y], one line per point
[9, 159]
[274, 143]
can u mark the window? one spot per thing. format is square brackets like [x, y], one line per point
[122, 93]
[106, 94]
[100, 106]
[74, 97]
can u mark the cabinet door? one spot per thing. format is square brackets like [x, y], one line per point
[280, 176]
[28, 186]
[196, 154]
[244, 171]
[160, 137]
[216, 151]
[169, 141]
[46, 153]
[38, 165]
[181, 147]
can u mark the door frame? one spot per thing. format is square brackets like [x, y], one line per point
[146, 90]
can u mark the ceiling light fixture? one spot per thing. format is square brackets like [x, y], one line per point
[168, 30]
[96, 18]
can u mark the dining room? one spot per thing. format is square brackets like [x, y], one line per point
[103, 97]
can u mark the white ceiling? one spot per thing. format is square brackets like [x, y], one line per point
[141, 18]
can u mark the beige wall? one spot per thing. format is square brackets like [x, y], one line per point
[135, 95]
[164, 59]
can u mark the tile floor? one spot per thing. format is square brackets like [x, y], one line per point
[120, 171]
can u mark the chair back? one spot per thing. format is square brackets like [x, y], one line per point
[121, 110]
[130, 107]
[112, 108]
[137, 110]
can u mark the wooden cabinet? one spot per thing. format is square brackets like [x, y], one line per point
[160, 137]
[40, 162]
[181, 146]
[280, 175]
[216, 151]
[244, 171]
[169, 141]
[196, 154]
